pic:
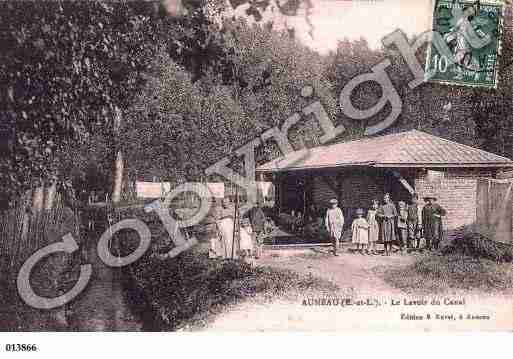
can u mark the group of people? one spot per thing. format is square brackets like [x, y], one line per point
[222, 227]
[299, 223]
[386, 223]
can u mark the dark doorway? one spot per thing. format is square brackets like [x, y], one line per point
[293, 194]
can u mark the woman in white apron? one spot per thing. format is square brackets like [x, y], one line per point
[225, 227]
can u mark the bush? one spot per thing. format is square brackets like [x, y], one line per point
[476, 245]
[439, 274]
[189, 289]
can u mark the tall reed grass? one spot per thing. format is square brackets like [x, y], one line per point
[22, 233]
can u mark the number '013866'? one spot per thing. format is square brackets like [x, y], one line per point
[21, 347]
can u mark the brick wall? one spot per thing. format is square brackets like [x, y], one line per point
[456, 192]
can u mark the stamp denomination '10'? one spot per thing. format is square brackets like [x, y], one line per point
[472, 32]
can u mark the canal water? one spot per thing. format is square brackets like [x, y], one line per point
[103, 306]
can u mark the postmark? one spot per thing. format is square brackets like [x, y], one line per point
[472, 31]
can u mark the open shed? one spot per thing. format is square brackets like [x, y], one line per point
[355, 172]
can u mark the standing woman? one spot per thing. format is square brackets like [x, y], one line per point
[334, 224]
[387, 212]
[373, 226]
[258, 221]
[225, 226]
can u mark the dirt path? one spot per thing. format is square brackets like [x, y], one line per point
[351, 272]
[102, 306]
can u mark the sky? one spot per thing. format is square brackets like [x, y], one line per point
[372, 19]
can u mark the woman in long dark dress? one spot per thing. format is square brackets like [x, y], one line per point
[387, 212]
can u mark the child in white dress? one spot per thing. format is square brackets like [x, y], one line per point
[360, 229]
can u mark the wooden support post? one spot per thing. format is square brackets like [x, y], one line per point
[305, 184]
[405, 183]
[332, 184]
[235, 219]
[279, 197]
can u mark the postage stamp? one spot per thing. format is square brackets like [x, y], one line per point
[471, 32]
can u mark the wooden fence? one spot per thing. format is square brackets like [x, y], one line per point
[495, 209]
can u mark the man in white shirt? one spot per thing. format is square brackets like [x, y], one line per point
[334, 224]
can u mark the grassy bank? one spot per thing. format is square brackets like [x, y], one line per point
[188, 291]
[470, 262]
[454, 272]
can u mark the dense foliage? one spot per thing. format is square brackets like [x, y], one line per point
[66, 66]
[493, 109]
[191, 89]
[69, 68]
[188, 290]
[184, 125]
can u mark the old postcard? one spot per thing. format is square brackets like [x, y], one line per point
[256, 166]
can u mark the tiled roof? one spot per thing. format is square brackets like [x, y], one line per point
[406, 149]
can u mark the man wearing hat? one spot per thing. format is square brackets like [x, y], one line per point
[432, 214]
[334, 224]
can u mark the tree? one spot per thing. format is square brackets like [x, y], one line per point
[182, 124]
[353, 58]
[442, 110]
[176, 128]
[493, 108]
[274, 69]
[68, 66]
